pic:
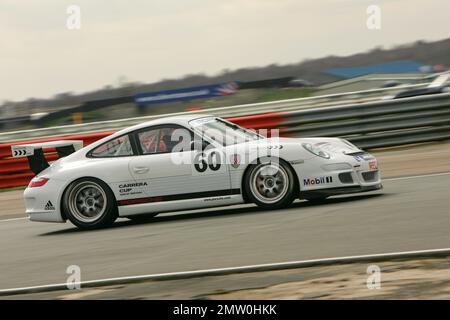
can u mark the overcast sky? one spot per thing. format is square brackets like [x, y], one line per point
[148, 40]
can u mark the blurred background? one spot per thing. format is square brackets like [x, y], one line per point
[55, 74]
[375, 72]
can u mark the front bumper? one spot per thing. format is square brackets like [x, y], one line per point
[341, 174]
[339, 190]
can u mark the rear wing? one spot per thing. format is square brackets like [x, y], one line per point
[35, 155]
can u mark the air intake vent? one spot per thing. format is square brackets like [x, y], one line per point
[370, 176]
[346, 177]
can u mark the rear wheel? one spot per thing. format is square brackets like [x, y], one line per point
[90, 204]
[270, 184]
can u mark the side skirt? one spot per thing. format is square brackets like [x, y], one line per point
[177, 204]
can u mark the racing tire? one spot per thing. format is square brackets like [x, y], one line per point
[89, 204]
[142, 217]
[270, 184]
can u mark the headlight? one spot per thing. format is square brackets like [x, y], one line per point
[316, 151]
[348, 143]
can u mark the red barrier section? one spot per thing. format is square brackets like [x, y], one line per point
[260, 121]
[20, 164]
[5, 148]
[15, 180]
[16, 172]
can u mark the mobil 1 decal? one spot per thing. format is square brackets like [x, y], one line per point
[210, 161]
[317, 181]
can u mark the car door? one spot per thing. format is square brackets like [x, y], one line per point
[110, 162]
[172, 171]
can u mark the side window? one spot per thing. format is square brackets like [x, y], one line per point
[165, 139]
[175, 139]
[149, 141]
[118, 147]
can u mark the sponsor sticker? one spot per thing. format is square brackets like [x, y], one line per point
[49, 206]
[317, 181]
[126, 189]
[217, 198]
[20, 151]
[275, 147]
[235, 160]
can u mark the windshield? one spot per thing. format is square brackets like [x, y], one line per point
[224, 132]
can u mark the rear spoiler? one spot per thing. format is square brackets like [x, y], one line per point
[35, 154]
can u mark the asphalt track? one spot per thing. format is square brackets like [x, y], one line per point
[409, 214]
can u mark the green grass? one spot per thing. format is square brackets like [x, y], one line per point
[283, 94]
[241, 97]
[13, 189]
[67, 120]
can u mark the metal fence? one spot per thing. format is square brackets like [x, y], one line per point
[376, 124]
[230, 111]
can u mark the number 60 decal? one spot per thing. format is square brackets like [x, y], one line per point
[202, 161]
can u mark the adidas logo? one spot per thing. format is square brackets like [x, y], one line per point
[49, 206]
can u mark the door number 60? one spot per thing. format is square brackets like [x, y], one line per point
[203, 162]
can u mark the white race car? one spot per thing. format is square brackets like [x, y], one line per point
[187, 162]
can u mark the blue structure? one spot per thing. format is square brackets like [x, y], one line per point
[185, 94]
[391, 67]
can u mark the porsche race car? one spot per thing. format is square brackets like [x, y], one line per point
[187, 162]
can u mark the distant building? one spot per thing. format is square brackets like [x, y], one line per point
[372, 81]
[406, 66]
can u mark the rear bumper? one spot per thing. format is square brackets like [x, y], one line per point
[45, 216]
[339, 190]
[43, 203]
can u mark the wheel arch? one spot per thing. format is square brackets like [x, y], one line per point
[258, 160]
[63, 214]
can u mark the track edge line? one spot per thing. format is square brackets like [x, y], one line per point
[231, 270]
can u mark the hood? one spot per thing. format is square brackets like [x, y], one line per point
[330, 145]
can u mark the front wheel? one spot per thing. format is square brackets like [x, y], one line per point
[270, 184]
[89, 204]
